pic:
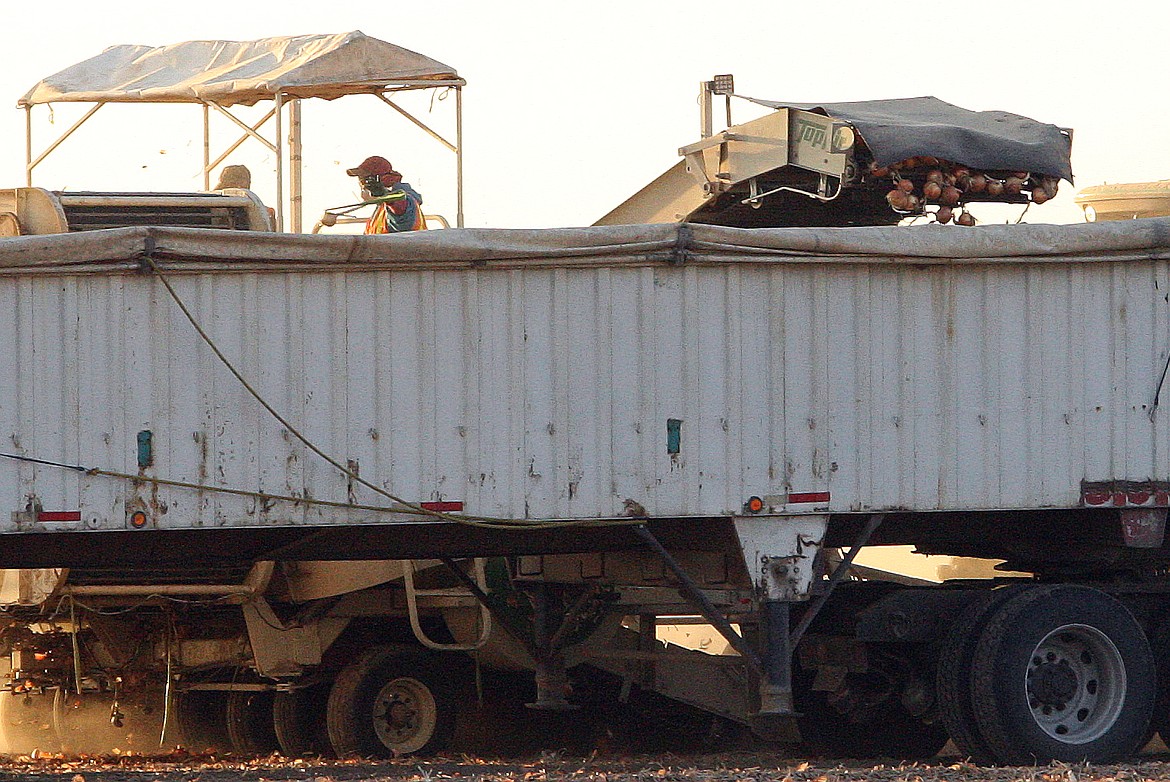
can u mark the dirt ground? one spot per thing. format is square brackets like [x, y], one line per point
[553, 767]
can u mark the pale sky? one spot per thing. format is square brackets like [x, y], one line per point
[572, 107]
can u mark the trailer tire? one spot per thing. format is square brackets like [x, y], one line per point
[953, 674]
[388, 703]
[250, 722]
[298, 719]
[1062, 673]
[202, 721]
[1159, 637]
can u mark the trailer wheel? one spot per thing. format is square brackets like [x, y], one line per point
[953, 674]
[201, 718]
[1063, 673]
[250, 722]
[388, 703]
[298, 718]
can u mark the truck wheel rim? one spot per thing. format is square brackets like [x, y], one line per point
[405, 715]
[1075, 684]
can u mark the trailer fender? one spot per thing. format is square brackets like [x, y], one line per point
[281, 649]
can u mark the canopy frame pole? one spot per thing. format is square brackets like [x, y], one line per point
[28, 146]
[278, 150]
[295, 202]
[240, 141]
[206, 147]
[33, 163]
[459, 157]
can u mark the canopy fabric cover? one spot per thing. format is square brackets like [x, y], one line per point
[232, 73]
[902, 128]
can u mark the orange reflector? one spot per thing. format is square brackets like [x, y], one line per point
[138, 519]
[754, 505]
[40, 656]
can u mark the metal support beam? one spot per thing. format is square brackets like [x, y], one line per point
[838, 575]
[421, 125]
[31, 163]
[209, 165]
[692, 593]
[776, 689]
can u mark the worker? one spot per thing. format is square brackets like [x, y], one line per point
[234, 177]
[399, 206]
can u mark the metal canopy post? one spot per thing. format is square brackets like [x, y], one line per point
[28, 146]
[206, 148]
[279, 150]
[295, 201]
[459, 157]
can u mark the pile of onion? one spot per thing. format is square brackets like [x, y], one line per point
[928, 181]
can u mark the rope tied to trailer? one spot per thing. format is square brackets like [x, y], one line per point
[148, 262]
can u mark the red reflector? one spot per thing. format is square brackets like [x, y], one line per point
[442, 507]
[808, 496]
[59, 515]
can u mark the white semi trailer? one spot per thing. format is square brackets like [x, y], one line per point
[274, 482]
[322, 492]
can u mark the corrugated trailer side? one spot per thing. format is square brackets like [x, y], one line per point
[846, 367]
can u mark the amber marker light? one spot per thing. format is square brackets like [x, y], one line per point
[137, 519]
[754, 505]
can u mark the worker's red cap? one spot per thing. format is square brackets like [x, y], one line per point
[372, 166]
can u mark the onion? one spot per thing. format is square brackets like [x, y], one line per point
[932, 190]
[1051, 184]
[994, 188]
[881, 172]
[951, 195]
[905, 185]
[1039, 195]
[965, 219]
[977, 183]
[959, 171]
[929, 160]
[1012, 185]
[1020, 174]
[897, 199]
[944, 214]
[934, 175]
[963, 182]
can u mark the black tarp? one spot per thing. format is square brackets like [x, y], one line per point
[902, 128]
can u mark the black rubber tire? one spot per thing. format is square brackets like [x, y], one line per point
[250, 722]
[381, 679]
[953, 674]
[202, 719]
[1008, 653]
[1159, 637]
[894, 733]
[298, 718]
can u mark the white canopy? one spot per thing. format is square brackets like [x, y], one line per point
[232, 73]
